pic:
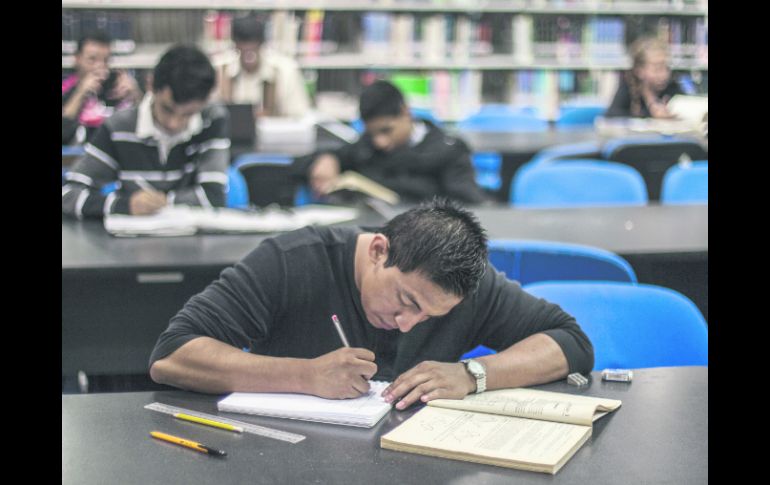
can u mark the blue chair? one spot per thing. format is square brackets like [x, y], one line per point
[237, 192]
[578, 183]
[268, 178]
[585, 149]
[532, 261]
[580, 150]
[630, 325]
[503, 118]
[487, 166]
[652, 155]
[572, 117]
[686, 183]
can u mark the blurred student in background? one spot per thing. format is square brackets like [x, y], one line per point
[410, 156]
[170, 149]
[93, 92]
[267, 79]
[648, 86]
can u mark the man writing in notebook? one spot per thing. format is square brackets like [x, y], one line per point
[171, 149]
[411, 299]
[411, 156]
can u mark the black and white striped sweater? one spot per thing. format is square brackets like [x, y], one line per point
[194, 172]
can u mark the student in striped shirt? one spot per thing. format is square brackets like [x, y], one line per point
[172, 148]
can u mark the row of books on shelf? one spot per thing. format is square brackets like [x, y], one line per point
[430, 37]
[434, 37]
[504, 5]
[454, 95]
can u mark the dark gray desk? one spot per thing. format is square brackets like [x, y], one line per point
[119, 294]
[658, 435]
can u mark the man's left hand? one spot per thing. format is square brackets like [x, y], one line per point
[430, 380]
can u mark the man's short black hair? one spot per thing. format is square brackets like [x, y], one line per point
[381, 98]
[97, 36]
[187, 71]
[248, 29]
[443, 242]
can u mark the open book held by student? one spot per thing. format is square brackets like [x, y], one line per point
[354, 182]
[524, 429]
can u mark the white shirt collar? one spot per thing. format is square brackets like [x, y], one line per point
[145, 126]
[419, 130]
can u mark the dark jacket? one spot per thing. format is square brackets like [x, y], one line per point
[438, 165]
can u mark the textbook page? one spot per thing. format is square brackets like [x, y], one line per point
[689, 108]
[364, 411]
[354, 181]
[231, 220]
[169, 221]
[534, 404]
[185, 221]
[527, 444]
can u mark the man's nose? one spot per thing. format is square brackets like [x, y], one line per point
[407, 321]
[380, 142]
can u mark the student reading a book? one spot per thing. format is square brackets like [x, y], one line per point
[411, 298]
[93, 92]
[646, 88]
[171, 149]
[410, 156]
[262, 77]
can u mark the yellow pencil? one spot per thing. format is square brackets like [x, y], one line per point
[193, 445]
[208, 422]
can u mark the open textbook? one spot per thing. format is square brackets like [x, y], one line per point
[364, 411]
[355, 182]
[524, 429]
[183, 220]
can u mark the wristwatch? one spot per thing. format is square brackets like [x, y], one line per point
[477, 370]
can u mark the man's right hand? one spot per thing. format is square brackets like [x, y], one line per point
[323, 174]
[92, 82]
[342, 374]
[145, 202]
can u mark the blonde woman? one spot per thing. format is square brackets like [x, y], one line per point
[648, 86]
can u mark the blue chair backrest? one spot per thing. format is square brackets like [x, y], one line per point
[262, 158]
[575, 183]
[584, 149]
[686, 183]
[581, 150]
[617, 143]
[578, 116]
[487, 167]
[502, 118]
[632, 326]
[237, 192]
[268, 180]
[532, 261]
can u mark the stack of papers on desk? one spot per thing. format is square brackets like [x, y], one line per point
[185, 221]
[364, 411]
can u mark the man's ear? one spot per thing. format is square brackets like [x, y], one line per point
[378, 248]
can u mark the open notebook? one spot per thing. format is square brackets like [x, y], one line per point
[183, 221]
[364, 411]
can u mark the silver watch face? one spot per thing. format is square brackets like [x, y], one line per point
[475, 368]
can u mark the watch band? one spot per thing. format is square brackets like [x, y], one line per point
[478, 371]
